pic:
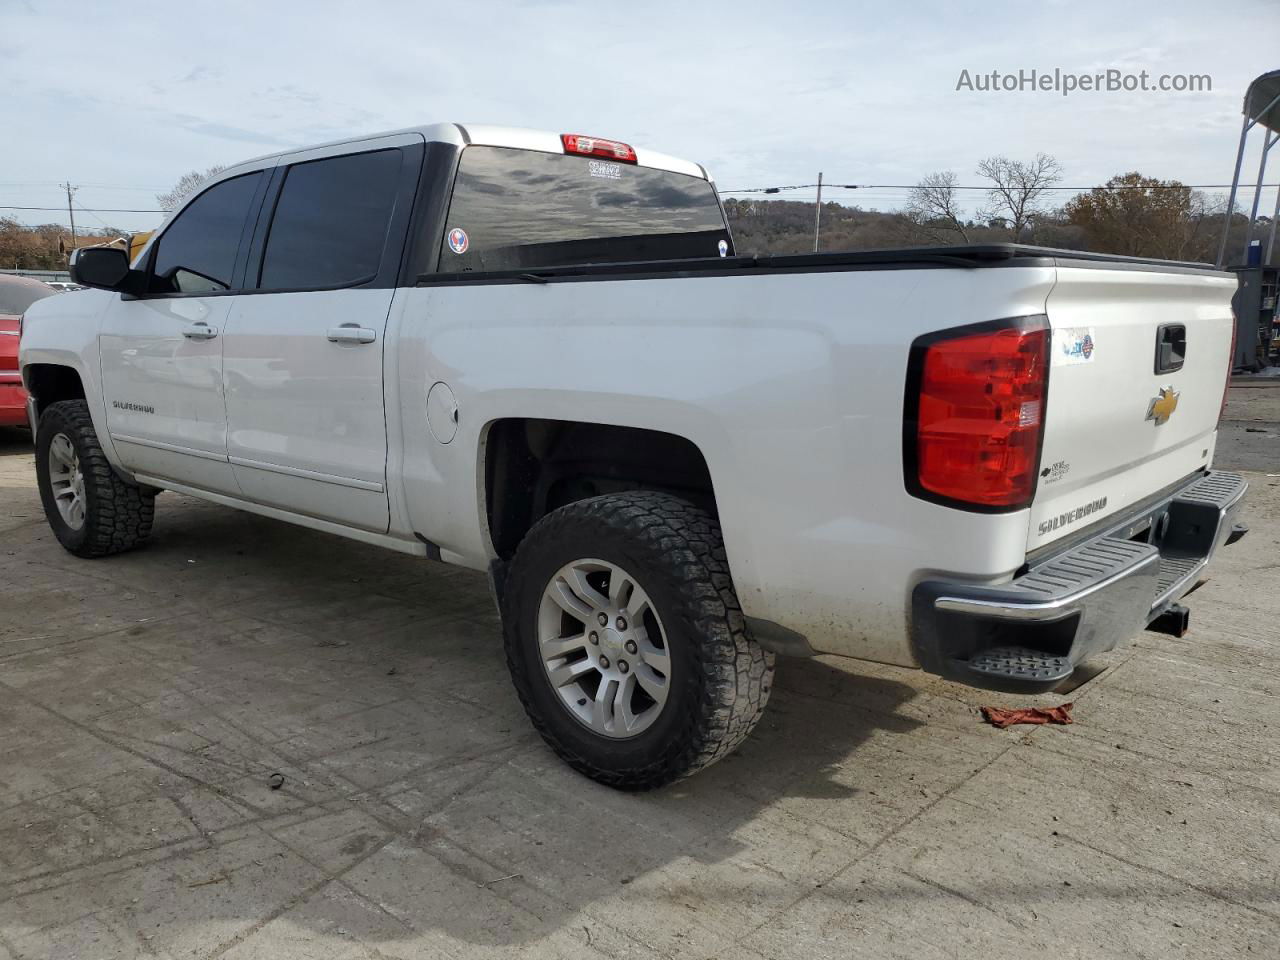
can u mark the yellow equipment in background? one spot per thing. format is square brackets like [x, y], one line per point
[136, 242]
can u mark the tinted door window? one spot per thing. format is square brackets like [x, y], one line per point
[330, 223]
[197, 252]
[522, 209]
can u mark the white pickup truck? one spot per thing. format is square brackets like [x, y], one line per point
[538, 355]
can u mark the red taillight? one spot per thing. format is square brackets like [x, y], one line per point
[975, 414]
[614, 150]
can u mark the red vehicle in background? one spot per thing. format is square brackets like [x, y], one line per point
[16, 294]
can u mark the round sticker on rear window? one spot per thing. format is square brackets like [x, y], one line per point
[458, 241]
[724, 248]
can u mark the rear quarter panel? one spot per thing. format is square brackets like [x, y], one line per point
[791, 386]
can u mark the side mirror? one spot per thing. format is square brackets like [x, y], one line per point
[106, 268]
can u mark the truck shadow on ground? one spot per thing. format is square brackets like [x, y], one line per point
[413, 791]
[14, 440]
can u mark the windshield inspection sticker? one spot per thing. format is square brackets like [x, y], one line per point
[724, 248]
[605, 170]
[1072, 345]
[458, 241]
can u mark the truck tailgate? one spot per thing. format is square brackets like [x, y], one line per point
[1116, 430]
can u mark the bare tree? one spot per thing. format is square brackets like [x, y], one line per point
[933, 210]
[187, 184]
[1018, 190]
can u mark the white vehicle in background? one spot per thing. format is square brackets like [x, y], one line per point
[537, 355]
[63, 286]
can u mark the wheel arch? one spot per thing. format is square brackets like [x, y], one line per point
[530, 466]
[50, 376]
[49, 383]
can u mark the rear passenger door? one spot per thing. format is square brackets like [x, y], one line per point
[303, 350]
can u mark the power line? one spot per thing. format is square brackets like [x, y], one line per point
[117, 186]
[912, 186]
[98, 186]
[4, 206]
[84, 209]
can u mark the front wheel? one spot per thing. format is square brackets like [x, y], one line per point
[626, 641]
[92, 511]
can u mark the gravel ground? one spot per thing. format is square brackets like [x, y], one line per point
[1250, 435]
[149, 703]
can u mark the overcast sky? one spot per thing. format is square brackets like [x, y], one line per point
[123, 98]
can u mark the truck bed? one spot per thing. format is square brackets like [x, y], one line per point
[968, 257]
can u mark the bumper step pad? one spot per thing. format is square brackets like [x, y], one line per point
[1173, 572]
[1198, 525]
[1218, 489]
[1082, 568]
[1036, 594]
[1018, 663]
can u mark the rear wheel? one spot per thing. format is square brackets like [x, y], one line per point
[92, 511]
[626, 642]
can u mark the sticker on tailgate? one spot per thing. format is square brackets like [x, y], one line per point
[1072, 345]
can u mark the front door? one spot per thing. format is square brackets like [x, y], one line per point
[162, 350]
[303, 353]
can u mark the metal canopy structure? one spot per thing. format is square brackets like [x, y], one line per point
[1261, 109]
[1260, 102]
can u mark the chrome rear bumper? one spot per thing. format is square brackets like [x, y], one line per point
[1029, 634]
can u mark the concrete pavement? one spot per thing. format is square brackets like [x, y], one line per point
[149, 702]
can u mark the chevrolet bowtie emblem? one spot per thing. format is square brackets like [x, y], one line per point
[1162, 407]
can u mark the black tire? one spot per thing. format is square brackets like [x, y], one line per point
[117, 514]
[721, 676]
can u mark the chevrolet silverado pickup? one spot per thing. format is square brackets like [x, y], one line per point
[540, 356]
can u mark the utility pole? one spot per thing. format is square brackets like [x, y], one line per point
[71, 213]
[817, 216]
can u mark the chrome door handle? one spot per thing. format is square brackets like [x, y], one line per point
[199, 331]
[351, 333]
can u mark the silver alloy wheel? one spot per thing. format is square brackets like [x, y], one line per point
[66, 481]
[603, 648]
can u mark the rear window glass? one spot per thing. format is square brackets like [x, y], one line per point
[522, 209]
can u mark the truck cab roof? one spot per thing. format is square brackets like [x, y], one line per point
[490, 135]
